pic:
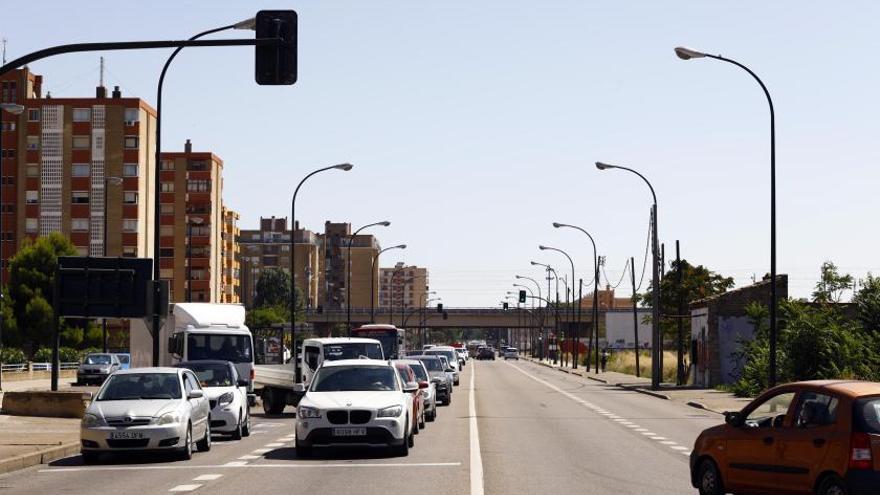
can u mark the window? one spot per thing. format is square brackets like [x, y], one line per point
[33, 114]
[129, 169]
[166, 230]
[129, 198]
[771, 412]
[10, 153]
[81, 142]
[32, 197]
[198, 185]
[166, 273]
[129, 251]
[167, 164]
[8, 126]
[33, 170]
[82, 114]
[82, 250]
[167, 187]
[79, 197]
[80, 170]
[131, 142]
[167, 208]
[79, 224]
[197, 165]
[33, 143]
[166, 252]
[31, 225]
[814, 410]
[129, 224]
[132, 115]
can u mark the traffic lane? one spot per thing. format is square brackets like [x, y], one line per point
[671, 421]
[438, 464]
[145, 473]
[536, 439]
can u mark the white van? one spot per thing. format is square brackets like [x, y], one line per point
[316, 351]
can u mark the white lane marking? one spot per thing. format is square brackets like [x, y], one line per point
[476, 458]
[686, 453]
[244, 465]
[185, 488]
[649, 434]
[669, 442]
[658, 438]
[268, 425]
[678, 447]
[640, 430]
[260, 451]
[208, 477]
[633, 426]
[248, 457]
[236, 463]
[276, 444]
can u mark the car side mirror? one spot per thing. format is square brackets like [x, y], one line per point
[450, 370]
[734, 418]
[411, 387]
[299, 388]
[195, 394]
[423, 384]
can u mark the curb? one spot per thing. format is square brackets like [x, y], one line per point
[700, 405]
[646, 392]
[44, 456]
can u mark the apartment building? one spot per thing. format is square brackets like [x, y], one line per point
[79, 166]
[191, 225]
[230, 292]
[606, 299]
[403, 285]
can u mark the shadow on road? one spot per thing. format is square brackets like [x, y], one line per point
[331, 453]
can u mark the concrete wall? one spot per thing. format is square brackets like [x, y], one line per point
[619, 325]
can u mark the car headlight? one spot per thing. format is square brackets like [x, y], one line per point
[169, 418]
[90, 420]
[225, 399]
[389, 412]
[307, 412]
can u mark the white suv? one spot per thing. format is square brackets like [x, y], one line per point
[355, 402]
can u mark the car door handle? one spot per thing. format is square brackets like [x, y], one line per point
[818, 442]
[768, 440]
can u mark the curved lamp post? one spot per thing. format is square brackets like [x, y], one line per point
[688, 54]
[373, 280]
[576, 323]
[385, 223]
[656, 345]
[595, 286]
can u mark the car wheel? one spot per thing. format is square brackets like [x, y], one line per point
[246, 427]
[832, 485]
[204, 445]
[709, 479]
[90, 457]
[432, 414]
[237, 432]
[302, 451]
[422, 420]
[186, 452]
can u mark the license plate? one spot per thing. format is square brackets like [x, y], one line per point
[349, 432]
[126, 435]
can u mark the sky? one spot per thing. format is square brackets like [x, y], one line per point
[473, 125]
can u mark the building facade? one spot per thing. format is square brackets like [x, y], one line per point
[230, 252]
[402, 286]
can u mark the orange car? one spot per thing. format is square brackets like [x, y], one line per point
[818, 437]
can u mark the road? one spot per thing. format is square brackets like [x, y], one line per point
[535, 430]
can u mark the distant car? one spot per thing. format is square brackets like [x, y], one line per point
[511, 353]
[408, 377]
[355, 402]
[428, 392]
[96, 367]
[227, 394]
[462, 355]
[816, 437]
[451, 355]
[485, 353]
[442, 380]
[142, 409]
[124, 360]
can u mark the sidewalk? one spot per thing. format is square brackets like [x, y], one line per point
[707, 399]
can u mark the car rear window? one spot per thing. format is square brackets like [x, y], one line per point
[866, 413]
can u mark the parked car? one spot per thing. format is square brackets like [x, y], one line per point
[227, 395]
[817, 437]
[451, 356]
[442, 381]
[355, 402]
[428, 393]
[485, 353]
[96, 367]
[124, 360]
[141, 409]
[511, 353]
[408, 377]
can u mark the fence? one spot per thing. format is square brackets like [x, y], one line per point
[29, 367]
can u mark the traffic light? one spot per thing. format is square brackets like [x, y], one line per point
[522, 296]
[275, 64]
[505, 306]
[439, 307]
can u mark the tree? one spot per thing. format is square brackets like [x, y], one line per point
[31, 277]
[867, 301]
[273, 288]
[829, 289]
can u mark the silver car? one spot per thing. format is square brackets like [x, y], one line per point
[140, 409]
[96, 367]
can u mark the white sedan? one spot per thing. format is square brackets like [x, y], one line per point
[355, 402]
[227, 394]
[141, 409]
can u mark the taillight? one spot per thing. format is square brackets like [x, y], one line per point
[252, 374]
[860, 452]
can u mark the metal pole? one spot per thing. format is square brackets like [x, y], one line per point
[680, 347]
[596, 264]
[632, 264]
[656, 372]
[577, 342]
[104, 241]
[348, 272]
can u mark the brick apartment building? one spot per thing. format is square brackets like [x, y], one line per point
[230, 290]
[403, 285]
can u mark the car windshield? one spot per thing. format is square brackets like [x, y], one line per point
[433, 364]
[352, 350]
[235, 348]
[136, 386]
[867, 414]
[421, 374]
[213, 374]
[123, 358]
[354, 379]
[97, 359]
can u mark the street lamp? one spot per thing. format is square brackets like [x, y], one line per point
[687, 54]
[116, 181]
[537, 285]
[373, 280]
[595, 285]
[342, 166]
[656, 370]
[385, 223]
[13, 109]
[157, 181]
[189, 226]
[576, 323]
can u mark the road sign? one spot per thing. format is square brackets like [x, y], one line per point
[103, 287]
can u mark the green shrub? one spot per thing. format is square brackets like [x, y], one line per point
[43, 355]
[11, 355]
[65, 354]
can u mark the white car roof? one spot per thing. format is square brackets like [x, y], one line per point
[156, 370]
[342, 340]
[202, 315]
[355, 362]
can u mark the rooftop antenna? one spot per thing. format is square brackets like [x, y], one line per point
[3, 42]
[101, 77]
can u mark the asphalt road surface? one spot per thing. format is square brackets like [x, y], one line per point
[528, 429]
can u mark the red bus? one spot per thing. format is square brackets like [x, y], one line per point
[391, 338]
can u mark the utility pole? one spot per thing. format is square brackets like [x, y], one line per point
[632, 265]
[680, 364]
